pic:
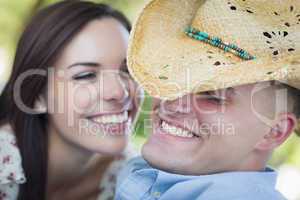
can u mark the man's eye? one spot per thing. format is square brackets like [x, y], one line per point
[217, 100]
[85, 76]
[214, 98]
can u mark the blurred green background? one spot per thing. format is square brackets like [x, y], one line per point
[13, 17]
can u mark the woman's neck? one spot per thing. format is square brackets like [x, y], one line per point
[69, 164]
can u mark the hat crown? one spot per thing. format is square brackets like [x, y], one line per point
[263, 28]
[169, 61]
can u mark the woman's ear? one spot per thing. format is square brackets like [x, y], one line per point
[283, 126]
[40, 105]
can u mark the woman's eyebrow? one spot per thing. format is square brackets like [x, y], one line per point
[89, 64]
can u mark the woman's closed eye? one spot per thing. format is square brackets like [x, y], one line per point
[85, 76]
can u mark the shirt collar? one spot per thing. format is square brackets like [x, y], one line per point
[265, 177]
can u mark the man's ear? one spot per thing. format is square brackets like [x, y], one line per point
[282, 128]
[40, 105]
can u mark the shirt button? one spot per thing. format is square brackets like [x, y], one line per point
[156, 194]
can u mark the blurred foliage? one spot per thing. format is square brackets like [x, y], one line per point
[142, 128]
[12, 17]
[15, 13]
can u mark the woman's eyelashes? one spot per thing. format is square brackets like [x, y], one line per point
[85, 76]
[91, 75]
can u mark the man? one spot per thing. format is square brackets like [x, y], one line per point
[228, 77]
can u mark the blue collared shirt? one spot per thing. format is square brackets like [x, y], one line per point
[139, 181]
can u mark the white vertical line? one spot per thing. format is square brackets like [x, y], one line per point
[2, 68]
[2, 64]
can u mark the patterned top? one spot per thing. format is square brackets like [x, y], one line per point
[12, 174]
[11, 171]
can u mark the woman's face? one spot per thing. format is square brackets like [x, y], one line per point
[90, 95]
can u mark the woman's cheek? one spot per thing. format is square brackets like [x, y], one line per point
[83, 97]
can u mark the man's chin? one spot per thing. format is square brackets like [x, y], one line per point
[163, 162]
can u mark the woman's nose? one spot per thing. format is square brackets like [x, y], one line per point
[114, 88]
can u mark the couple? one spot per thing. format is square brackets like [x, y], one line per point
[219, 108]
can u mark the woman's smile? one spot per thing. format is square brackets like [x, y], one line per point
[114, 123]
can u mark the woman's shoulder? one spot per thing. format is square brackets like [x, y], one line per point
[11, 171]
[6, 132]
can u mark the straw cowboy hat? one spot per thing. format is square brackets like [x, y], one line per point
[184, 46]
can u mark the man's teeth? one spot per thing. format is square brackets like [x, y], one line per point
[173, 130]
[112, 119]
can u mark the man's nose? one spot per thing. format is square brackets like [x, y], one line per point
[179, 105]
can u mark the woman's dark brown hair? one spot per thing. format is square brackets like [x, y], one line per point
[48, 32]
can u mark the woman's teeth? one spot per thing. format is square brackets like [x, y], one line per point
[173, 130]
[111, 119]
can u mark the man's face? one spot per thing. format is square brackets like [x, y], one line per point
[212, 131]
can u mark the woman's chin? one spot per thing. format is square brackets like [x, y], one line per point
[110, 146]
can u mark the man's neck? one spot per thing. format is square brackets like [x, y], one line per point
[255, 161]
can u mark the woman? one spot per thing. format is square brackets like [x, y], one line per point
[68, 105]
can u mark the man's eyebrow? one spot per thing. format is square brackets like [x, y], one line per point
[89, 64]
[226, 91]
[231, 89]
